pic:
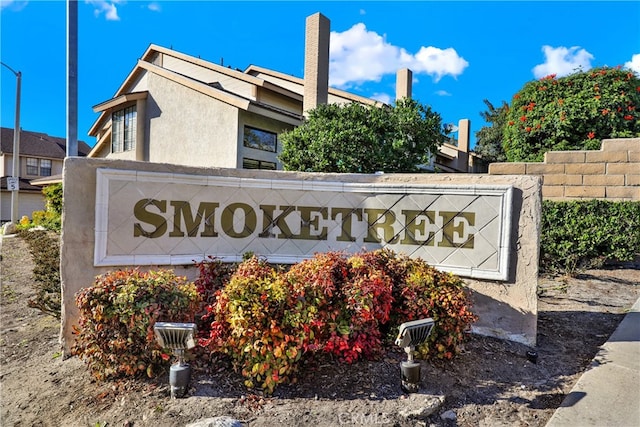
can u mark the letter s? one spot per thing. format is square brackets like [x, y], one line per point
[142, 214]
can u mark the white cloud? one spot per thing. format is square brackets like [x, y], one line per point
[108, 7]
[358, 55]
[563, 61]
[13, 5]
[439, 62]
[442, 93]
[382, 97]
[154, 7]
[634, 64]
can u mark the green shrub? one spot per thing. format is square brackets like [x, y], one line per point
[115, 336]
[44, 247]
[53, 194]
[266, 320]
[51, 217]
[585, 234]
[47, 219]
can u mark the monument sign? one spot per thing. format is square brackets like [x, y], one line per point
[154, 218]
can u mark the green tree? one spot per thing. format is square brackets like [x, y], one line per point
[572, 113]
[489, 138]
[358, 138]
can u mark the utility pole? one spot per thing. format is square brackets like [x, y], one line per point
[72, 78]
[13, 183]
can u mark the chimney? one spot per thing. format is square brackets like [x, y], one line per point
[403, 83]
[464, 133]
[316, 62]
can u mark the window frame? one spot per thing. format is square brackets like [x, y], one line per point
[43, 169]
[259, 164]
[30, 168]
[124, 129]
[271, 147]
[38, 167]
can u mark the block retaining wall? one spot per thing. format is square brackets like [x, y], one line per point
[611, 173]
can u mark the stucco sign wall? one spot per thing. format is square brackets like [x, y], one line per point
[155, 218]
[120, 214]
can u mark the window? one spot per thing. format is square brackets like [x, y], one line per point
[32, 166]
[257, 164]
[45, 167]
[260, 139]
[123, 132]
[38, 167]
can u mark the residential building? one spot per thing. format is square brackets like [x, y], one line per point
[180, 109]
[41, 160]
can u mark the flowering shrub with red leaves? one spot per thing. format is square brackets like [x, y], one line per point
[428, 292]
[114, 335]
[213, 275]
[575, 112]
[249, 326]
[342, 301]
[266, 320]
[316, 301]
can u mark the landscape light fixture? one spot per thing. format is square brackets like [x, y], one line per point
[411, 335]
[178, 337]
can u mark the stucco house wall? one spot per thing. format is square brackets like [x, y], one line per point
[189, 128]
[202, 73]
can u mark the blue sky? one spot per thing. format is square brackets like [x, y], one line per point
[460, 52]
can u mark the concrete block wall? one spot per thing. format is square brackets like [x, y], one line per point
[611, 173]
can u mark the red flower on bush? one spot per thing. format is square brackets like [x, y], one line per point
[605, 112]
[591, 135]
[528, 128]
[628, 117]
[523, 118]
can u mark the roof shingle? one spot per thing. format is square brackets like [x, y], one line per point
[39, 144]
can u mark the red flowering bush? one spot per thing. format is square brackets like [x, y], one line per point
[250, 327]
[572, 113]
[213, 275]
[114, 335]
[428, 292]
[347, 298]
[266, 320]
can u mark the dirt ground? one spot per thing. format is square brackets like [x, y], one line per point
[490, 384]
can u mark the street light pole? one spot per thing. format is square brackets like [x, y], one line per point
[16, 149]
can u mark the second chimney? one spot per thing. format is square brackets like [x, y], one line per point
[403, 83]
[316, 62]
